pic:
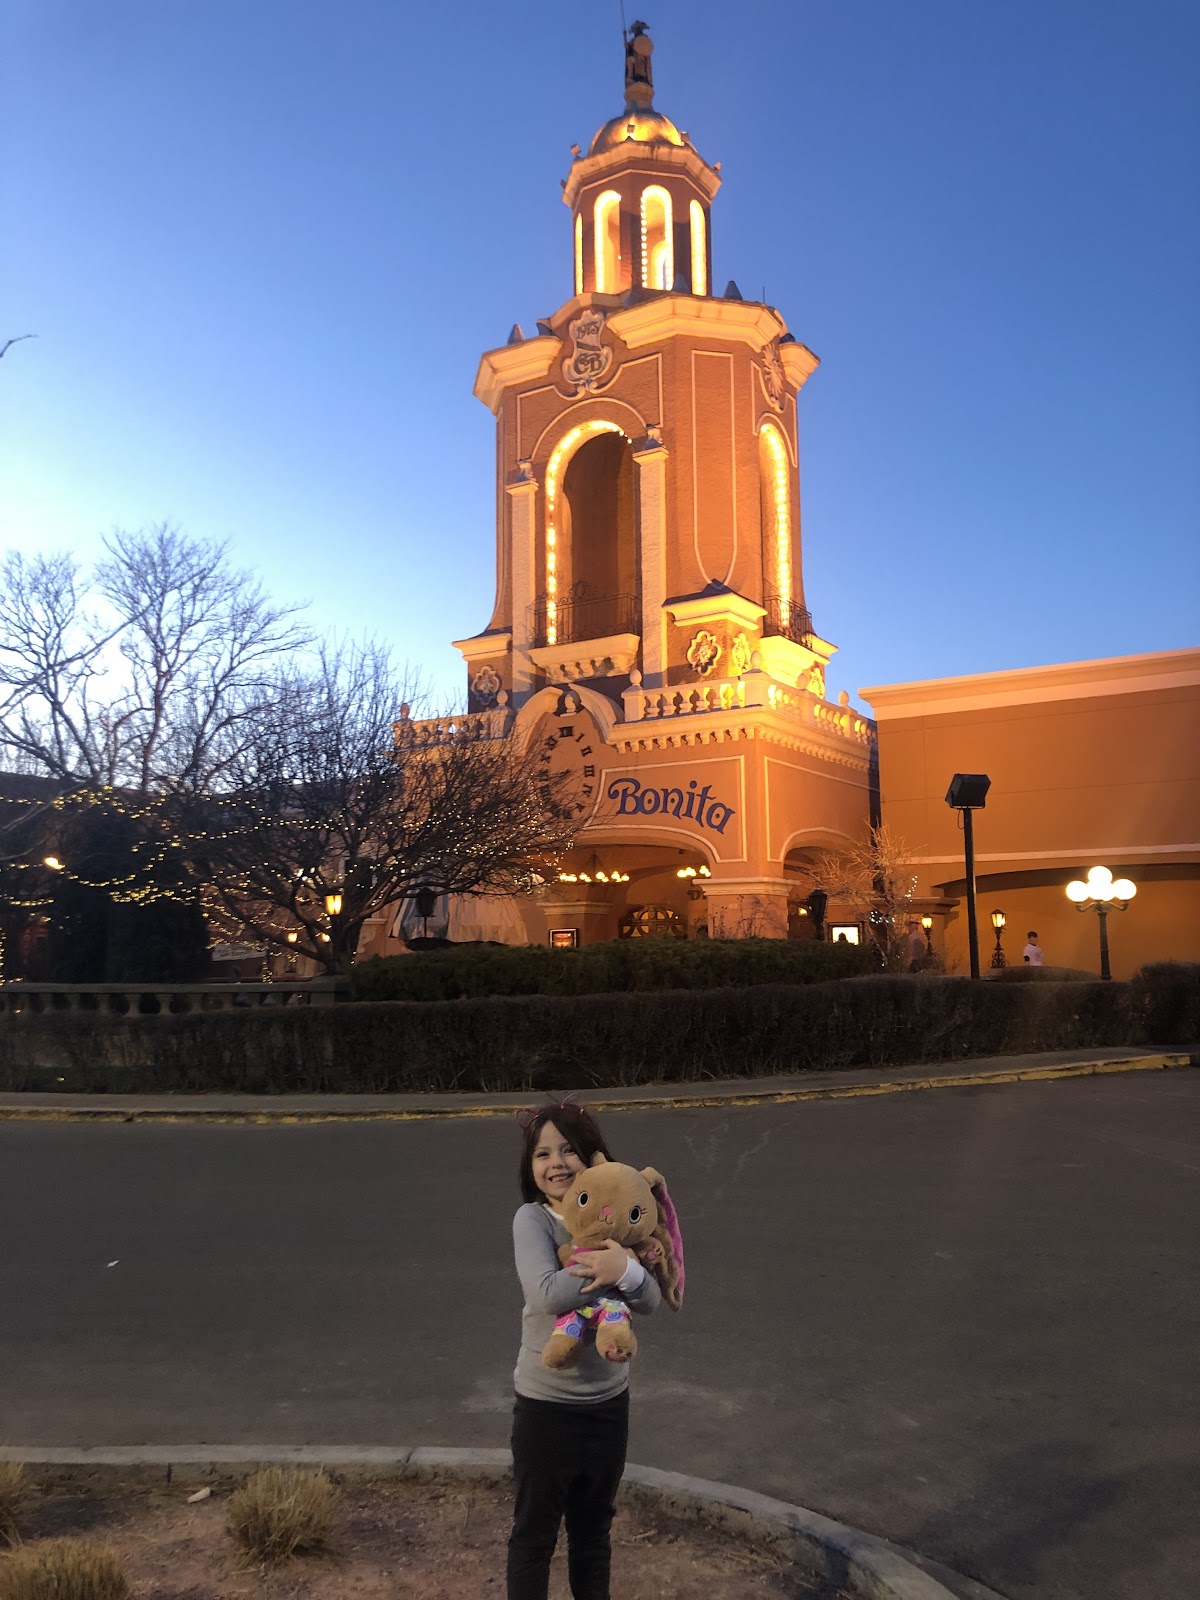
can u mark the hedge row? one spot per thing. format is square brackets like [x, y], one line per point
[463, 971]
[592, 1041]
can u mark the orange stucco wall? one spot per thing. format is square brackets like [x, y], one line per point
[1092, 763]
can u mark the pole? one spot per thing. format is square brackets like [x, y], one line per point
[972, 931]
[1102, 913]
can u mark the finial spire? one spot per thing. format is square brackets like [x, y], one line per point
[639, 74]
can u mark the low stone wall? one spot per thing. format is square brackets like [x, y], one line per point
[103, 1000]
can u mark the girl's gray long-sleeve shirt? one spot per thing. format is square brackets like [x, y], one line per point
[550, 1290]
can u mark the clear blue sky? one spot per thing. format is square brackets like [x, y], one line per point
[263, 245]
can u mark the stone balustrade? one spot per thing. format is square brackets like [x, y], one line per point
[734, 694]
[471, 724]
[162, 999]
[717, 694]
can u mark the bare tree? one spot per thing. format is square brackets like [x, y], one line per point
[340, 793]
[873, 876]
[148, 678]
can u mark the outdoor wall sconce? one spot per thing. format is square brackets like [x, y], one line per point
[968, 793]
[998, 921]
[1100, 894]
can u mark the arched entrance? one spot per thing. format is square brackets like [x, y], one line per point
[598, 586]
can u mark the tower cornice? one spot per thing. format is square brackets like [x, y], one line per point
[635, 156]
[514, 364]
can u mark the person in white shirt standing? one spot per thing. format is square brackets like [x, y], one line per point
[1033, 951]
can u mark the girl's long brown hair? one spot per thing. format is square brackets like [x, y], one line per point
[577, 1126]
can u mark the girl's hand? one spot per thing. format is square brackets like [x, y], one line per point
[605, 1266]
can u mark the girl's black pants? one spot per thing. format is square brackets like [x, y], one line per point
[567, 1462]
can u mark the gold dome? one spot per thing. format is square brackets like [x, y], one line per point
[640, 127]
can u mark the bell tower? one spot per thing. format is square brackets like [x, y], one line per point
[648, 540]
[647, 443]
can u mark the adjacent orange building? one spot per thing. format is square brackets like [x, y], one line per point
[1093, 763]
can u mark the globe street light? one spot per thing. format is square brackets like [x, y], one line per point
[1101, 894]
[998, 921]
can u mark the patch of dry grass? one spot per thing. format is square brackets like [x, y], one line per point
[12, 1494]
[280, 1512]
[62, 1569]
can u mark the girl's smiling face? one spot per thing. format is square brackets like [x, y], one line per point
[554, 1164]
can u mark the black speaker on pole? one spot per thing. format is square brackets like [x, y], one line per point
[968, 791]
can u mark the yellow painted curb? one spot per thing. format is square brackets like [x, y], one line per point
[682, 1101]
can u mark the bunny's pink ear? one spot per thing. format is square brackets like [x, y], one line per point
[669, 1222]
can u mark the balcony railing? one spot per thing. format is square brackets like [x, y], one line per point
[584, 619]
[785, 619]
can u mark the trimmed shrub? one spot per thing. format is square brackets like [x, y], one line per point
[62, 1569]
[1024, 974]
[1166, 1002]
[618, 965]
[12, 1495]
[279, 1512]
[519, 1042]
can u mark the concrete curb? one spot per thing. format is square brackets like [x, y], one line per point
[36, 1106]
[869, 1568]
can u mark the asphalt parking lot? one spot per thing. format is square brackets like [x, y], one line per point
[964, 1319]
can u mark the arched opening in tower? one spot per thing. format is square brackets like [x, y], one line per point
[658, 259]
[599, 594]
[606, 228]
[774, 483]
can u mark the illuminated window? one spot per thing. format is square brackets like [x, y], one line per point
[555, 467]
[658, 252]
[607, 242]
[775, 485]
[699, 249]
[579, 253]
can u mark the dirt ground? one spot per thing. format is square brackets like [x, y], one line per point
[402, 1541]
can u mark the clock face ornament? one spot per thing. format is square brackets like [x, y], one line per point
[568, 764]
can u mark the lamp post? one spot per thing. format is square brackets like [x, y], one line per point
[998, 921]
[927, 924]
[968, 793]
[333, 906]
[1101, 894]
[425, 900]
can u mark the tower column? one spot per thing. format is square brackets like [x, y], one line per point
[522, 495]
[650, 458]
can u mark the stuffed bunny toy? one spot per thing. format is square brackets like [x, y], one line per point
[611, 1201]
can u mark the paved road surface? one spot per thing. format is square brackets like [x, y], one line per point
[965, 1319]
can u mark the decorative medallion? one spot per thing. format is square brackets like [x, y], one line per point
[589, 359]
[485, 685]
[739, 656]
[704, 652]
[771, 371]
[816, 682]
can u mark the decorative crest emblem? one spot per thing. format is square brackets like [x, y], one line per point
[703, 653]
[773, 380]
[589, 359]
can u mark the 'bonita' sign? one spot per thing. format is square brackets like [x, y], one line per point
[633, 799]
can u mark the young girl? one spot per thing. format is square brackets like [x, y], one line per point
[570, 1427]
